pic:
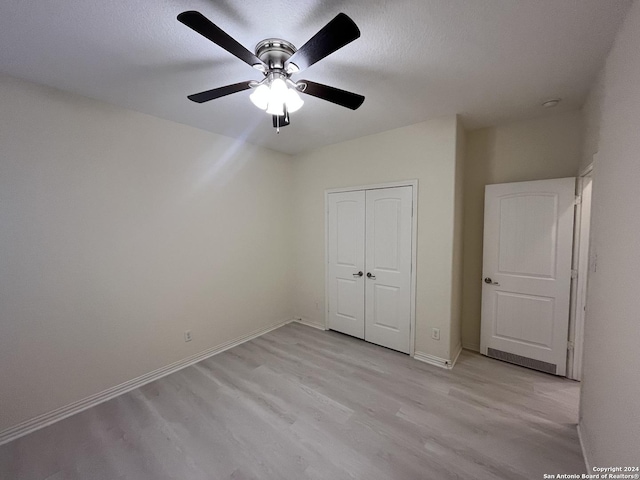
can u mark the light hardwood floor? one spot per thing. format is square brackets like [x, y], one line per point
[299, 403]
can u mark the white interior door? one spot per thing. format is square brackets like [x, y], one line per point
[528, 234]
[388, 267]
[346, 232]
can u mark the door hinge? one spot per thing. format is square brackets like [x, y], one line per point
[570, 346]
[578, 200]
[574, 273]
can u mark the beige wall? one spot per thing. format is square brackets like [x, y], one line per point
[458, 238]
[592, 116]
[121, 230]
[118, 232]
[425, 151]
[537, 149]
[610, 401]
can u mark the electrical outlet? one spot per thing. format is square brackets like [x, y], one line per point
[435, 333]
[187, 335]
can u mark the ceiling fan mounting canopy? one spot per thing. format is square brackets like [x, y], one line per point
[278, 59]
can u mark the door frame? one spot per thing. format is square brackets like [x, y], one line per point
[580, 265]
[414, 244]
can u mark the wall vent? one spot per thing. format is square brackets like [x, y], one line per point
[523, 361]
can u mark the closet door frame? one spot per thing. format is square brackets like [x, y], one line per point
[414, 242]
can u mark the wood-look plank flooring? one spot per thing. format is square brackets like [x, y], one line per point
[299, 403]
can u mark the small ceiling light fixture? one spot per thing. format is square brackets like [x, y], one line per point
[553, 102]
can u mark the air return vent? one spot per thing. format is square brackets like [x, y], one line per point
[522, 361]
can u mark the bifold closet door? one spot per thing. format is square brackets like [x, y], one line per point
[346, 232]
[388, 267]
[369, 265]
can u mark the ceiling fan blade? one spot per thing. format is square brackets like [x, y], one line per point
[332, 94]
[334, 35]
[219, 92]
[201, 24]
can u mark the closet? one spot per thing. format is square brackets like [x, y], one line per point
[369, 264]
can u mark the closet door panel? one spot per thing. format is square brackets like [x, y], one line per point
[388, 267]
[346, 237]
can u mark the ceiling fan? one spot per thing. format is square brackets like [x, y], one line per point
[278, 59]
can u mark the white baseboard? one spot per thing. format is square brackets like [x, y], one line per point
[433, 360]
[308, 323]
[584, 451]
[471, 346]
[61, 413]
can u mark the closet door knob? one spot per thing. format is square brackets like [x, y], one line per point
[372, 277]
[359, 274]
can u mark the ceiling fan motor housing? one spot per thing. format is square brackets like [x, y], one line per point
[275, 52]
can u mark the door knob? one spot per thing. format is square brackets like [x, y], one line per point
[359, 274]
[488, 281]
[372, 277]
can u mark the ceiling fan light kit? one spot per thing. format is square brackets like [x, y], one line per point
[278, 60]
[275, 93]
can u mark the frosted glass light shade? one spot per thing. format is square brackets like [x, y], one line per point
[275, 108]
[260, 97]
[293, 100]
[278, 91]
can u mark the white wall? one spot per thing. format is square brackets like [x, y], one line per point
[548, 147]
[425, 151]
[610, 401]
[118, 231]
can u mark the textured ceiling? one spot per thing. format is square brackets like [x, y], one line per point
[488, 60]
